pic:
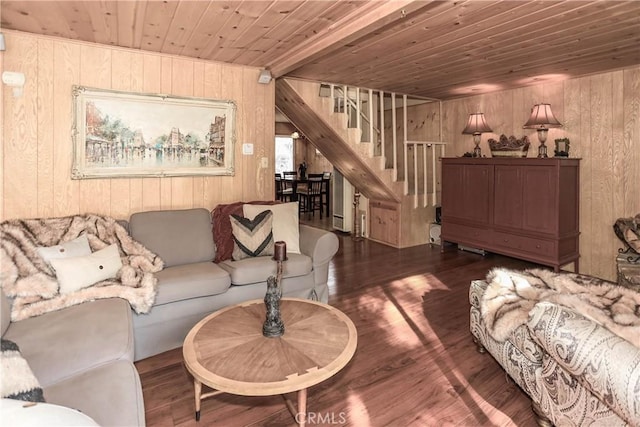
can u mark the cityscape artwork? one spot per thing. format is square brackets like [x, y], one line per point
[122, 134]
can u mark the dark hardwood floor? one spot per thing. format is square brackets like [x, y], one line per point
[415, 365]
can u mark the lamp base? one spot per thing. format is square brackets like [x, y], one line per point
[477, 152]
[542, 150]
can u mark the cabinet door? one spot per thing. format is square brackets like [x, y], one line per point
[507, 206]
[384, 224]
[467, 192]
[540, 207]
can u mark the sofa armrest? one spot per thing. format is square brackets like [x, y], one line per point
[607, 365]
[321, 246]
[318, 244]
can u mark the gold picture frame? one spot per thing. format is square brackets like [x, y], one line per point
[123, 134]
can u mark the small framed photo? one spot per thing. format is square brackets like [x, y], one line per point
[562, 147]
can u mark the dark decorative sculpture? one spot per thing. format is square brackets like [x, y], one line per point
[302, 170]
[273, 326]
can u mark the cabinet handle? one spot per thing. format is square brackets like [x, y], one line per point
[537, 246]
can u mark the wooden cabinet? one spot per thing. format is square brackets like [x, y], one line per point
[525, 208]
[384, 225]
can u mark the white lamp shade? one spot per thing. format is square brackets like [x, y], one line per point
[542, 118]
[476, 125]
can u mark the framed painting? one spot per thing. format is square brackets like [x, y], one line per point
[122, 134]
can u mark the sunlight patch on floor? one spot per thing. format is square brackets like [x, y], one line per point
[421, 282]
[358, 414]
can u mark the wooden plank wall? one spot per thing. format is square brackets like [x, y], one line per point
[37, 146]
[601, 117]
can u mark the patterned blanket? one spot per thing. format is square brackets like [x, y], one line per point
[511, 295]
[31, 282]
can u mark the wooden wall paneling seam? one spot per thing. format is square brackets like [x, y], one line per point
[213, 186]
[198, 92]
[631, 100]
[151, 83]
[21, 177]
[247, 115]
[95, 71]
[44, 140]
[601, 105]
[553, 94]
[66, 72]
[136, 195]
[121, 80]
[588, 249]
[166, 80]
[618, 154]
[182, 85]
[231, 88]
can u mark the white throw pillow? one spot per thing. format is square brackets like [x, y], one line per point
[285, 222]
[76, 247]
[79, 272]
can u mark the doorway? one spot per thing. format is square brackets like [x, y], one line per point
[284, 154]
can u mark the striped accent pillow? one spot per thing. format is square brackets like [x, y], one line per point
[252, 237]
[18, 381]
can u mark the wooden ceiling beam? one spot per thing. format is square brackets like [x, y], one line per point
[358, 23]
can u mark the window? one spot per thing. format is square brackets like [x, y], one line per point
[284, 154]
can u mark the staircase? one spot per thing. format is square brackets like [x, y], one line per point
[380, 149]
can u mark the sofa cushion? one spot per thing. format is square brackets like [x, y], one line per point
[63, 343]
[285, 223]
[177, 236]
[222, 234]
[191, 281]
[18, 381]
[255, 270]
[252, 237]
[110, 394]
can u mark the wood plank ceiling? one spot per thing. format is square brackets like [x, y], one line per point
[434, 49]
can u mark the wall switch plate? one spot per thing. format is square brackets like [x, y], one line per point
[247, 149]
[265, 162]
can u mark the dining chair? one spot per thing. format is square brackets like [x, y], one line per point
[311, 195]
[282, 193]
[326, 191]
[289, 182]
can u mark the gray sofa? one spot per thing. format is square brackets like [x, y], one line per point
[190, 286]
[82, 357]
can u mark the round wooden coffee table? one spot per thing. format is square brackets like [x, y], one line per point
[227, 351]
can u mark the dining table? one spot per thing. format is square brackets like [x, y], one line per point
[296, 181]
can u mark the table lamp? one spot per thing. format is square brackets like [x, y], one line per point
[476, 125]
[542, 119]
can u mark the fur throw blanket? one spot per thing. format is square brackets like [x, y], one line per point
[31, 282]
[510, 296]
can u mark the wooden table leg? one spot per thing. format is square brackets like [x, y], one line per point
[197, 385]
[302, 407]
